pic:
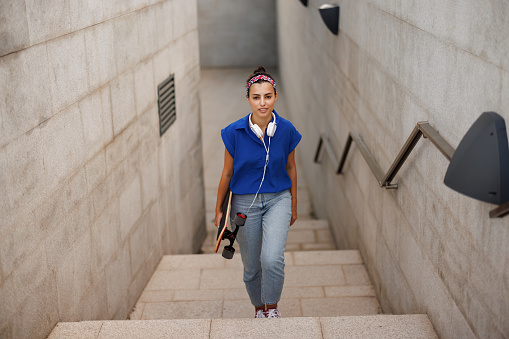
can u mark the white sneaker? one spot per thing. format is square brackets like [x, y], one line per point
[273, 313]
[260, 314]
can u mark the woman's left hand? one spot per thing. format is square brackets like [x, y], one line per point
[294, 217]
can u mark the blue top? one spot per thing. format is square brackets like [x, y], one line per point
[249, 156]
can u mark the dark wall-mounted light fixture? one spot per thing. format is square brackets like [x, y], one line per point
[330, 16]
[479, 167]
[304, 2]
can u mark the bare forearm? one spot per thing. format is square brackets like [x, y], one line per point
[293, 190]
[291, 169]
[224, 183]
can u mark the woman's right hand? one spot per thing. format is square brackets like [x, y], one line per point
[217, 221]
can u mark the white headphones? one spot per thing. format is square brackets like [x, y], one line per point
[271, 128]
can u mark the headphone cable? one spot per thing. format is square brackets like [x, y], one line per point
[263, 176]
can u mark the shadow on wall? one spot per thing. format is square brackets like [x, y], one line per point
[237, 33]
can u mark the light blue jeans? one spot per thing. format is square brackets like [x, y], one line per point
[262, 243]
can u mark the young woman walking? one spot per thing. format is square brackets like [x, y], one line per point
[259, 168]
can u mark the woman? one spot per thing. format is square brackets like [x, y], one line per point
[259, 168]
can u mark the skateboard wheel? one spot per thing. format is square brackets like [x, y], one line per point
[228, 252]
[240, 219]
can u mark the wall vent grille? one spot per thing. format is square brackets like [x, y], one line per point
[166, 104]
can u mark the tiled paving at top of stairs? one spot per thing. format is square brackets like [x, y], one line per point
[317, 283]
[365, 327]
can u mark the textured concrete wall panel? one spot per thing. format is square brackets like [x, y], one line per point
[105, 236]
[164, 23]
[145, 92]
[148, 32]
[101, 59]
[85, 13]
[116, 8]
[25, 177]
[67, 55]
[428, 249]
[62, 138]
[48, 19]
[42, 311]
[138, 245]
[184, 17]
[480, 28]
[92, 196]
[14, 28]
[93, 125]
[148, 132]
[150, 181]
[26, 97]
[118, 278]
[182, 59]
[122, 102]
[128, 51]
[130, 205]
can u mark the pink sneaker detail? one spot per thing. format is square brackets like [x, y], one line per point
[273, 313]
[260, 314]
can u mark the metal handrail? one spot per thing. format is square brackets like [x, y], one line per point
[422, 129]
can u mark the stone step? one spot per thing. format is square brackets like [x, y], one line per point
[317, 284]
[304, 235]
[365, 327]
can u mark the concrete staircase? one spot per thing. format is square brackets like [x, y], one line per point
[325, 283]
[327, 293]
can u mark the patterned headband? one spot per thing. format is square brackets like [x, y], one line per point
[261, 77]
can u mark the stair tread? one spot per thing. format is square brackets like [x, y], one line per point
[374, 326]
[317, 283]
[208, 260]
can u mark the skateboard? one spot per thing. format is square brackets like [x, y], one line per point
[223, 233]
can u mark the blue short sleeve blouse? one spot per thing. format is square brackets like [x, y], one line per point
[249, 156]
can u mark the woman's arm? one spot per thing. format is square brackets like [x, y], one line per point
[224, 183]
[291, 168]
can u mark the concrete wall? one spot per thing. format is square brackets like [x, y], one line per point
[428, 249]
[91, 195]
[237, 33]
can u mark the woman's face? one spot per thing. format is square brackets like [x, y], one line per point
[262, 99]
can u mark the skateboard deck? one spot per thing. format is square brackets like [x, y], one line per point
[223, 224]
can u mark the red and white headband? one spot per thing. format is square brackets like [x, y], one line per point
[261, 77]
